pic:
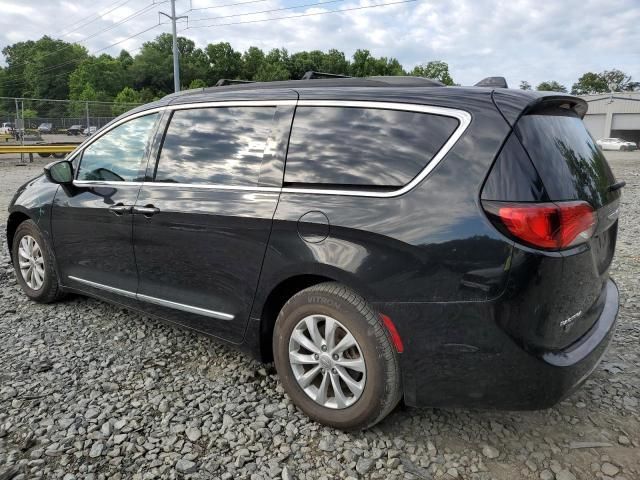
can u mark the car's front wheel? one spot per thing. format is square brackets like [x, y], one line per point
[34, 264]
[335, 358]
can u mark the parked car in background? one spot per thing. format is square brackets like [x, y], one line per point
[89, 131]
[75, 129]
[7, 128]
[45, 128]
[377, 238]
[616, 144]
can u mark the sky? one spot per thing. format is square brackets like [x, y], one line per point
[519, 39]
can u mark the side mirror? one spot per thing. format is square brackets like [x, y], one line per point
[60, 172]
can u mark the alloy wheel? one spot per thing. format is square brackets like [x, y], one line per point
[327, 361]
[31, 262]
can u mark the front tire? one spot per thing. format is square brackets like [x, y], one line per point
[34, 264]
[335, 358]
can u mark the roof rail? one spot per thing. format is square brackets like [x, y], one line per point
[493, 82]
[311, 75]
[227, 81]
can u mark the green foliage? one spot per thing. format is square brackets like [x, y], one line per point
[524, 85]
[125, 100]
[197, 83]
[29, 113]
[365, 65]
[437, 70]
[551, 86]
[105, 75]
[604, 82]
[224, 61]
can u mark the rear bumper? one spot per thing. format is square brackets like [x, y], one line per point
[456, 355]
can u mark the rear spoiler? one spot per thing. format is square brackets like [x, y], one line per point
[515, 103]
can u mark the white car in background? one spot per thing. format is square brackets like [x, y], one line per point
[616, 144]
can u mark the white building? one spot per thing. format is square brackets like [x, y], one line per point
[614, 115]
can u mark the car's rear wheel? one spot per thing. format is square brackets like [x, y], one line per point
[335, 358]
[34, 264]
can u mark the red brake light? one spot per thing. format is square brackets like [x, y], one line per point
[551, 226]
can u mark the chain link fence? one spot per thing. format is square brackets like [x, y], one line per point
[30, 116]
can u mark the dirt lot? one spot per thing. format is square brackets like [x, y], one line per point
[92, 391]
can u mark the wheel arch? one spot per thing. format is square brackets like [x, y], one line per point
[15, 219]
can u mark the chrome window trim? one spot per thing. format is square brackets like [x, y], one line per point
[156, 301]
[233, 103]
[463, 117]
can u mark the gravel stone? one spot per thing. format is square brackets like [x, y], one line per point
[94, 391]
[96, 450]
[185, 466]
[490, 452]
[609, 469]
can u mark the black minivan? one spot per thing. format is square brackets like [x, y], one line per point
[380, 239]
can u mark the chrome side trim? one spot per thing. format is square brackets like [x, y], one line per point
[463, 117]
[155, 301]
[185, 308]
[104, 183]
[119, 291]
[213, 186]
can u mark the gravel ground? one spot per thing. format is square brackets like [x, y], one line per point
[93, 391]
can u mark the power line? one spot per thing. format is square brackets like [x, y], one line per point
[266, 11]
[299, 16]
[95, 19]
[99, 32]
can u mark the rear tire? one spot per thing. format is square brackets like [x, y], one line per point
[44, 155]
[30, 249]
[371, 389]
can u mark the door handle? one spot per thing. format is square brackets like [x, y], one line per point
[119, 209]
[147, 211]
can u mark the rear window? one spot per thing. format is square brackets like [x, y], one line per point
[362, 147]
[569, 162]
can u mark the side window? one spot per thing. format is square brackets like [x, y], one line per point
[356, 147]
[218, 145]
[117, 155]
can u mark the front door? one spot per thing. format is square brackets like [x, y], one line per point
[92, 221]
[202, 226]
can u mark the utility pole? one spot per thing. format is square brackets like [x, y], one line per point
[176, 54]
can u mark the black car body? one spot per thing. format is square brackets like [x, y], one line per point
[396, 189]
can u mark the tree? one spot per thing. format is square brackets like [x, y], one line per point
[551, 86]
[274, 66]
[604, 82]
[524, 85]
[105, 75]
[252, 60]
[366, 65]
[153, 66]
[125, 100]
[42, 68]
[224, 61]
[197, 83]
[436, 70]
[334, 61]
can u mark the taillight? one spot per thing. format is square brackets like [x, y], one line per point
[550, 226]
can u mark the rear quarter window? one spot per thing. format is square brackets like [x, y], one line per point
[569, 162]
[362, 147]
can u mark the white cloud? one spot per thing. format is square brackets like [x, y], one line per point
[520, 39]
